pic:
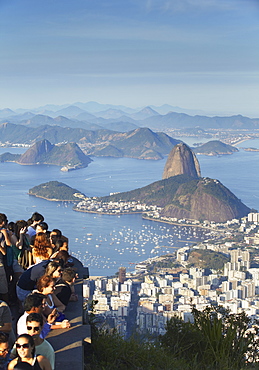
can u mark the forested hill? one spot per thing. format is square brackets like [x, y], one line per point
[56, 191]
[185, 197]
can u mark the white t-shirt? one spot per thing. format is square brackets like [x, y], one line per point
[45, 349]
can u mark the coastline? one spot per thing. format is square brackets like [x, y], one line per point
[241, 141]
[54, 200]
[106, 213]
[150, 219]
[180, 224]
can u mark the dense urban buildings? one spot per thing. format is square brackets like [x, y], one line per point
[146, 299]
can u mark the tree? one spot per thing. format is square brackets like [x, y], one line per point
[217, 339]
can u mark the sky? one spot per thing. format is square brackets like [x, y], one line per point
[194, 54]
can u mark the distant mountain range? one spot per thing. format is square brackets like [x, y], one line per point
[96, 116]
[140, 143]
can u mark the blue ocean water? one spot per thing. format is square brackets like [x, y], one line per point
[102, 242]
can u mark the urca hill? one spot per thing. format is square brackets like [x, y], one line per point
[68, 155]
[183, 193]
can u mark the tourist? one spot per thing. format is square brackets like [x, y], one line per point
[41, 248]
[34, 303]
[64, 287]
[63, 258]
[45, 286]
[28, 280]
[4, 242]
[57, 234]
[54, 269]
[19, 240]
[34, 322]
[35, 219]
[26, 353]
[56, 247]
[15, 255]
[6, 322]
[42, 227]
[4, 351]
[21, 246]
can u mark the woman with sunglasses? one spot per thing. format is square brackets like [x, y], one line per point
[26, 359]
[46, 286]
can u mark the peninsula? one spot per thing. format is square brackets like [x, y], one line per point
[181, 194]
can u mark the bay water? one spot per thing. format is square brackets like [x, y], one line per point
[103, 242]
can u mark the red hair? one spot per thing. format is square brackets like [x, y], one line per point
[44, 281]
[41, 246]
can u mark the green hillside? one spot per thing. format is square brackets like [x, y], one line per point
[185, 197]
[205, 258]
[56, 191]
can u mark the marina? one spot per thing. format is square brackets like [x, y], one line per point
[129, 246]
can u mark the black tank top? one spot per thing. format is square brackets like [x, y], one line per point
[25, 366]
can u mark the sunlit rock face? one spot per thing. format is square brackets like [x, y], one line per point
[181, 161]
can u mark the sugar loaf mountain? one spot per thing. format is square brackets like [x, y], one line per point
[68, 155]
[183, 193]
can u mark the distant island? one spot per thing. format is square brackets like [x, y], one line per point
[69, 156]
[56, 191]
[215, 147]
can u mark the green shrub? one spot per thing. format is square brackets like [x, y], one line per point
[110, 351]
[217, 339]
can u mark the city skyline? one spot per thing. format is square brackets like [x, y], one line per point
[198, 54]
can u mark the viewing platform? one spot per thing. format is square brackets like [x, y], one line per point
[69, 343]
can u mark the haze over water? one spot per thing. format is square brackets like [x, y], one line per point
[102, 242]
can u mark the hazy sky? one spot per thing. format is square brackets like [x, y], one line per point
[197, 54]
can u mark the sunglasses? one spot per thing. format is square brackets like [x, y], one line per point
[24, 345]
[35, 328]
[4, 350]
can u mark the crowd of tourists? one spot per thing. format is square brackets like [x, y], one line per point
[36, 272]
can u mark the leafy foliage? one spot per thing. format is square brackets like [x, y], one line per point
[217, 340]
[111, 352]
[206, 258]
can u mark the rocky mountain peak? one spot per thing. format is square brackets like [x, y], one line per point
[35, 153]
[181, 161]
